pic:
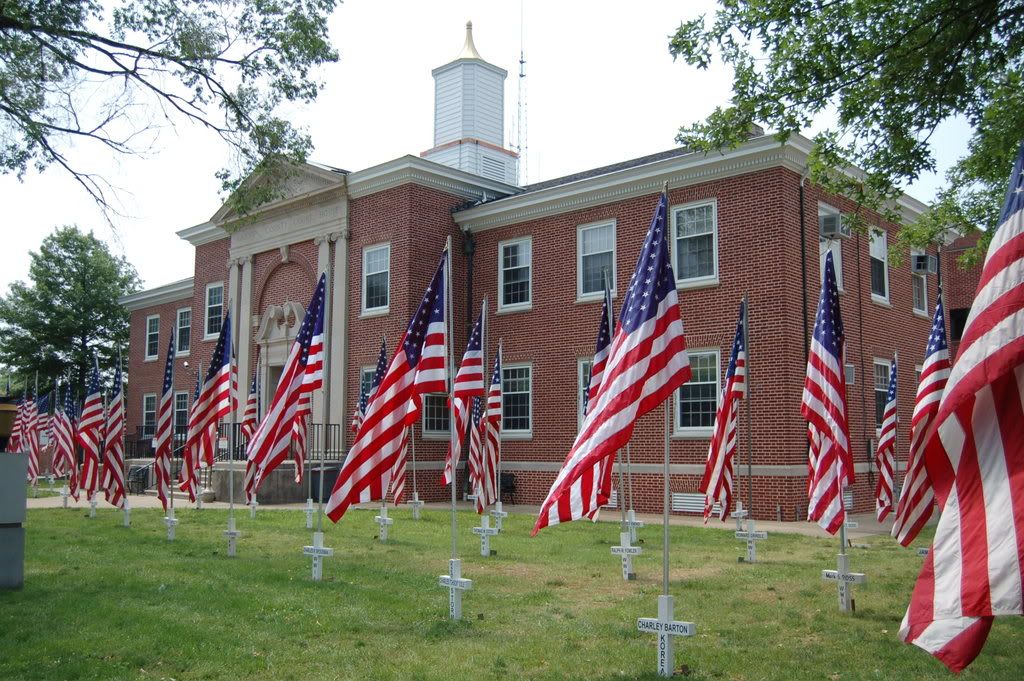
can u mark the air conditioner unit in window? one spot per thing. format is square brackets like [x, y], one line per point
[924, 264]
[832, 227]
[851, 373]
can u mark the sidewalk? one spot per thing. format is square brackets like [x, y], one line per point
[867, 524]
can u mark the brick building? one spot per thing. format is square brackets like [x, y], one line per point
[745, 222]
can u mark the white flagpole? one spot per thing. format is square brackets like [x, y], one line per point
[450, 351]
[318, 536]
[231, 533]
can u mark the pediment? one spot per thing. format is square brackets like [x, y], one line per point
[301, 181]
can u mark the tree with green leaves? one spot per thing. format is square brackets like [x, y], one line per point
[81, 75]
[891, 71]
[69, 309]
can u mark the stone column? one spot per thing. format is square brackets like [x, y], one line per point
[339, 336]
[323, 263]
[243, 341]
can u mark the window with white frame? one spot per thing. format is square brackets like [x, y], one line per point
[376, 278]
[826, 245]
[695, 227]
[919, 283]
[515, 274]
[152, 336]
[697, 399]
[180, 412]
[366, 380]
[879, 266]
[583, 381]
[882, 368]
[516, 383]
[183, 333]
[595, 257]
[148, 415]
[214, 309]
[436, 415]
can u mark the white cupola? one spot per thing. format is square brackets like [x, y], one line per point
[469, 116]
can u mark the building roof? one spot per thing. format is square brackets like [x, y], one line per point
[604, 170]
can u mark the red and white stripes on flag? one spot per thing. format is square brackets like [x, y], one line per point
[592, 488]
[163, 440]
[30, 437]
[113, 447]
[475, 457]
[417, 367]
[469, 383]
[251, 417]
[719, 469]
[216, 398]
[885, 452]
[64, 460]
[824, 409]
[974, 452]
[398, 471]
[14, 442]
[646, 363]
[917, 500]
[302, 373]
[490, 434]
[90, 433]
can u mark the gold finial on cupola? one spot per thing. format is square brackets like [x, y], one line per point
[469, 49]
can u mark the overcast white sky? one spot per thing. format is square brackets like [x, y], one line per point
[601, 87]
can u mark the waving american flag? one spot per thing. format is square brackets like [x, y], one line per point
[417, 367]
[65, 462]
[90, 433]
[918, 498]
[490, 434]
[163, 441]
[824, 409]
[885, 452]
[113, 445]
[974, 451]
[646, 363]
[469, 383]
[718, 471]
[216, 397]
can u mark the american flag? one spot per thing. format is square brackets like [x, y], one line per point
[216, 397]
[14, 441]
[366, 396]
[301, 374]
[490, 433]
[398, 471]
[917, 500]
[885, 452]
[163, 441]
[646, 363]
[469, 383]
[90, 433]
[193, 454]
[824, 409]
[593, 488]
[65, 461]
[113, 447]
[974, 452]
[31, 430]
[44, 419]
[719, 470]
[475, 457]
[251, 416]
[417, 367]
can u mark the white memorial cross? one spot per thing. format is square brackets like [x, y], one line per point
[416, 504]
[498, 514]
[485, 532]
[666, 628]
[384, 521]
[455, 584]
[64, 494]
[626, 551]
[253, 505]
[318, 552]
[92, 506]
[127, 513]
[232, 534]
[633, 524]
[843, 578]
[171, 523]
[751, 536]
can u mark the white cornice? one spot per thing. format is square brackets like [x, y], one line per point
[678, 171]
[411, 169]
[203, 233]
[168, 293]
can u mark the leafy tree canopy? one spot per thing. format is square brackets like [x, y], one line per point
[111, 73]
[892, 71]
[69, 309]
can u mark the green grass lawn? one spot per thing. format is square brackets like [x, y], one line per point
[43, 489]
[106, 602]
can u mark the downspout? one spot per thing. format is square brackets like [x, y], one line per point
[803, 267]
